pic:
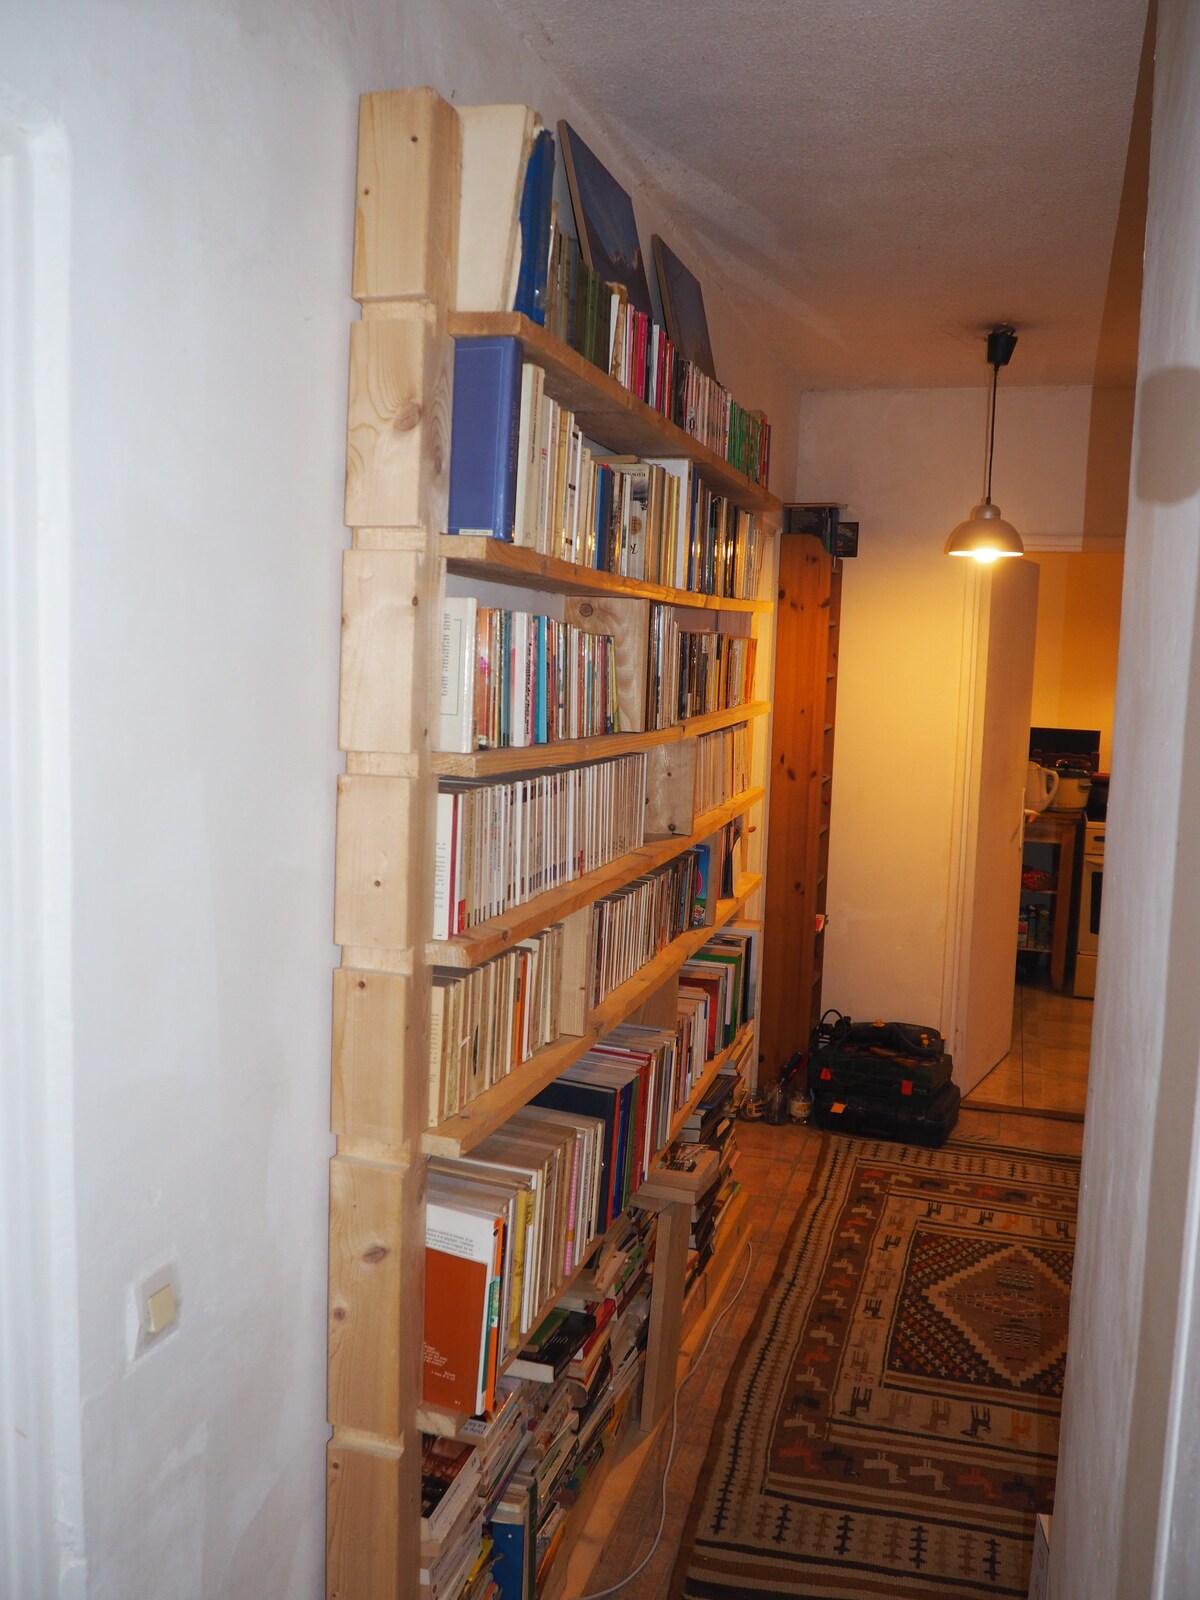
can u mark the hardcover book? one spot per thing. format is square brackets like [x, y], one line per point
[485, 434]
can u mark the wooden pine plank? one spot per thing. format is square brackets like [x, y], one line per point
[398, 421]
[381, 597]
[570, 752]
[373, 1544]
[627, 623]
[671, 794]
[374, 876]
[666, 1311]
[461, 1133]
[608, 412]
[408, 183]
[371, 1040]
[473, 555]
[500, 933]
[376, 1236]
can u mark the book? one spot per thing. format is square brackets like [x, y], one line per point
[485, 433]
[461, 1307]
[457, 700]
[537, 201]
[449, 1478]
[546, 1359]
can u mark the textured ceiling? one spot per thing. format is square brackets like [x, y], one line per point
[890, 176]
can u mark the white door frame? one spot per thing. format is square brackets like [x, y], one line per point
[40, 1435]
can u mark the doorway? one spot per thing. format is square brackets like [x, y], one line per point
[1075, 670]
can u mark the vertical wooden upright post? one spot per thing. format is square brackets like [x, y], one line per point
[397, 482]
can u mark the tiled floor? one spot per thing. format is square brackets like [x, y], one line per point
[775, 1168]
[1047, 1067]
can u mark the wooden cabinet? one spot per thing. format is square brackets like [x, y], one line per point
[394, 578]
[807, 640]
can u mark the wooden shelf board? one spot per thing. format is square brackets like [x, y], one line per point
[608, 412]
[461, 1133]
[570, 752]
[500, 933]
[477, 556]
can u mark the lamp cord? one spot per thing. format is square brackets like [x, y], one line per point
[987, 500]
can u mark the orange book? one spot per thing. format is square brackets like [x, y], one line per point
[456, 1310]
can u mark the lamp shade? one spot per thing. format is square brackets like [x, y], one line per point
[985, 535]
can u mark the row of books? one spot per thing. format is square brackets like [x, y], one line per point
[578, 1415]
[516, 678]
[500, 1225]
[723, 765]
[629, 927]
[596, 319]
[723, 972]
[487, 1020]
[649, 520]
[690, 674]
[497, 845]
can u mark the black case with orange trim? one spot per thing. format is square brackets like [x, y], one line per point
[893, 1079]
[926, 1122]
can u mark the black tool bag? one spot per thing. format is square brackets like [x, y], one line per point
[887, 1060]
[882, 1077]
[927, 1123]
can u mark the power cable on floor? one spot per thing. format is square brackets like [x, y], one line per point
[694, 1367]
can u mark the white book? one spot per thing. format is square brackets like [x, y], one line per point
[496, 142]
[442, 851]
[526, 452]
[457, 701]
[682, 471]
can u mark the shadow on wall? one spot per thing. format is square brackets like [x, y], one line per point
[1110, 430]
[1169, 436]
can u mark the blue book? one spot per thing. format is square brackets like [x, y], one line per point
[604, 501]
[541, 731]
[485, 436]
[509, 1540]
[536, 198]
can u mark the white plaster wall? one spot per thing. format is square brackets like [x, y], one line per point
[212, 152]
[1125, 1523]
[909, 465]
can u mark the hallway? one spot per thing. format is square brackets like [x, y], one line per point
[1046, 1069]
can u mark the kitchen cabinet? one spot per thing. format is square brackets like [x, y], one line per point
[1051, 850]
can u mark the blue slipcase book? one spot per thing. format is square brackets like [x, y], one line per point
[484, 436]
[536, 201]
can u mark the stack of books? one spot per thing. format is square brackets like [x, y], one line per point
[722, 974]
[452, 1517]
[578, 1406]
[497, 845]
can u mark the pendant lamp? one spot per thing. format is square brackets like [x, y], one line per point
[985, 535]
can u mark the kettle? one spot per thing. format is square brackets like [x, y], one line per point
[1041, 785]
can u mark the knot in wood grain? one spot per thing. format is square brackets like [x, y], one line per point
[407, 417]
[375, 1254]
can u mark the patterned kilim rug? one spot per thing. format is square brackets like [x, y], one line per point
[890, 1427]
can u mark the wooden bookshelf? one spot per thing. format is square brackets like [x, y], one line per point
[461, 1133]
[609, 412]
[571, 752]
[498, 934]
[394, 579]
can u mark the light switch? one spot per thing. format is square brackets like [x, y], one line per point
[160, 1309]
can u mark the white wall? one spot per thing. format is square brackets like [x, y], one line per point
[1130, 1458]
[909, 465]
[211, 150]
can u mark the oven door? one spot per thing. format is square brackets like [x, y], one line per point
[1091, 893]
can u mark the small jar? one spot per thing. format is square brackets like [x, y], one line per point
[774, 1109]
[799, 1102]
